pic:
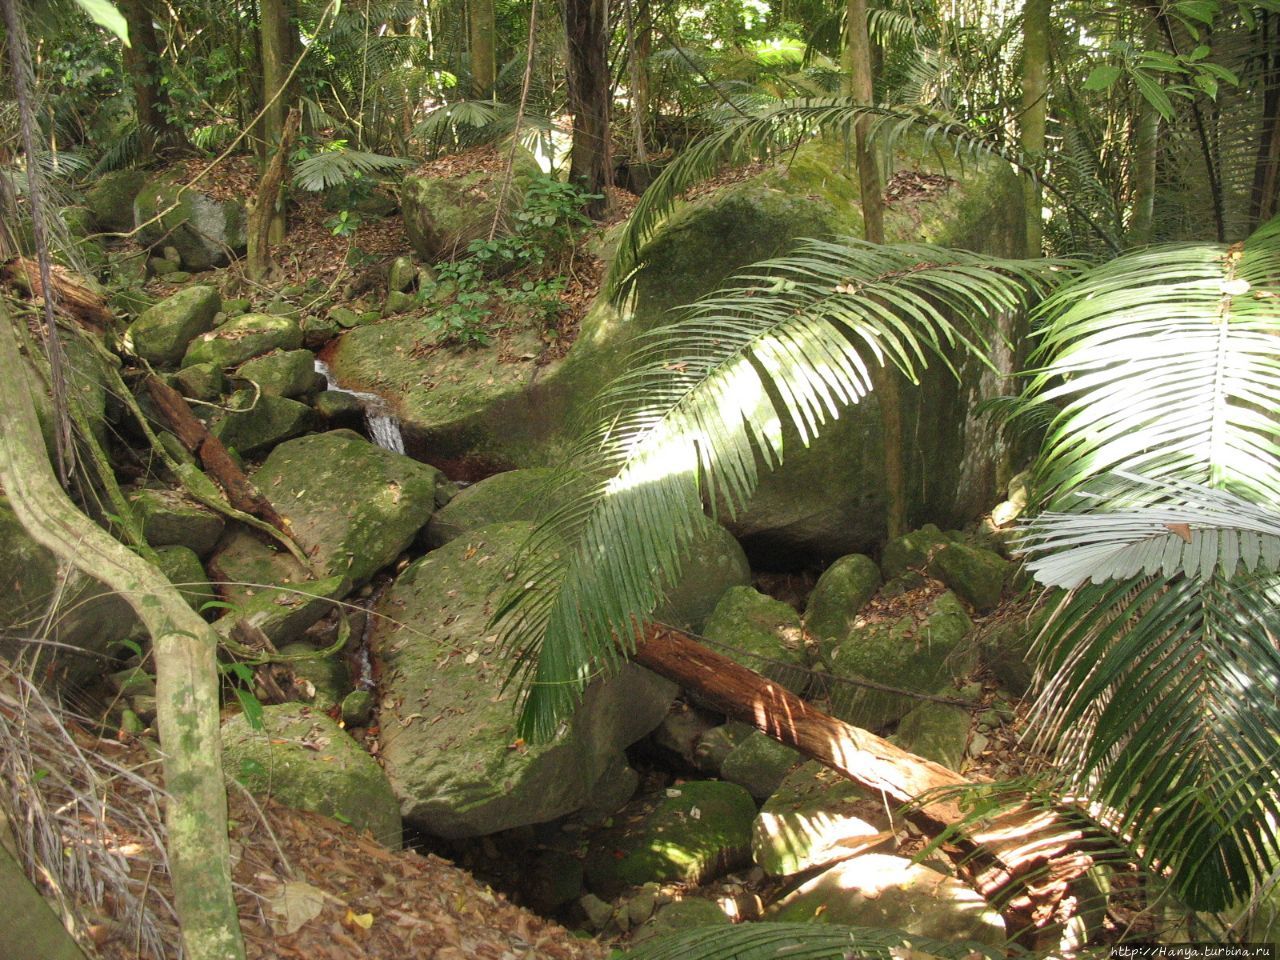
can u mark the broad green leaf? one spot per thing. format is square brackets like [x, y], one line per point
[105, 14]
[1102, 77]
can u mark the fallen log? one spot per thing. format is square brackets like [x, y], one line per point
[69, 294]
[213, 456]
[1024, 860]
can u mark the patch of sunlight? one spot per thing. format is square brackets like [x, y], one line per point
[675, 854]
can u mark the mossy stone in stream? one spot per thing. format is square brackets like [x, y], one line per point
[253, 427]
[242, 338]
[280, 373]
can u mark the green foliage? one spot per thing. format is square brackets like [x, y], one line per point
[802, 941]
[698, 414]
[336, 165]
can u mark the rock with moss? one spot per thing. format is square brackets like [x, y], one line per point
[911, 551]
[328, 676]
[715, 563]
[976, 575]
[170, 518]
[1006, 642]
[761, 633]
[884, 892]
[243, 338]
[162, 333]
[936, 731]
[681, 915]
[760, 764]
[253, 425]
[503, 497]
[355, 507]
[691, 833]
[111, 197]
[442, 214]
[449, 743]
[339, 410]
[206, 233]
[274, 603]
[304, 760]
[200, 381]
[838, 597]
[810, 819]
[183, 569]
[280, 373]
[919, 651]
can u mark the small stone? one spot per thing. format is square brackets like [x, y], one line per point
[398, 302]
[178, 276]
[236, 307]
[161, 267]
[977, 743]
[598, 912]
[171, 254]
[144, 706]
[132, 724]
[402, 274]
[640, 907]
[200, 381]
[357, 707]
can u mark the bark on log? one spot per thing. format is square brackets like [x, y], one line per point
[265, 216]
[213, 456]
[1024, 860]
[70, 295]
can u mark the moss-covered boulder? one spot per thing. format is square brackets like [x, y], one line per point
[692, 832]
[759, 764]
[838, 596]
[811, 819]
[304, 760]
[1006, 641]
[328, 676]
[162, 333]
[936, 731]
[354, 507]
[920, 651]
[891, 893]
[976, 575]
[243, 338]
[716, 563]
[761, 633]
[911, 551]
[274, 603]
[339, 410]
[503, 497]
[253, 425]
[681, 915]
[170, 518]
[449, 744]
[281, 373]
[205, 232]
[200, 381]
[183, 569]
[111, 197]
[442, 214]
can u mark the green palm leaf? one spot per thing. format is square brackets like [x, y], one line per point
[1165, 364]
[335, 167]
[802, 941]
[702, 407]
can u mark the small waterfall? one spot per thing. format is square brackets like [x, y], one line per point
[383, 425]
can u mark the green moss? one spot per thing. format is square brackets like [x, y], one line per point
[762, 633]
[243, 338]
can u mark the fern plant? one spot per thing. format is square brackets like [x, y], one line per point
[701, 411]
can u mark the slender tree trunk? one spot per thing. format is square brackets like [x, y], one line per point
[279, 48]
[186, 672]
[484, 64]
[639, 46]
[1146, 153]
[142, 63]
[1266, 176]
[1033, 123]
[587, 29]
[264, 209]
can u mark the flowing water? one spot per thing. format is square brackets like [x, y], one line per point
[382, 425]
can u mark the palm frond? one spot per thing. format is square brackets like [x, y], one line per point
[763, 130]
[332, 168]
[1165, 365]
[702, 407]
[1192, 530]
[802, 941]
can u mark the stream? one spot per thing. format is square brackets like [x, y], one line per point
[382, 425]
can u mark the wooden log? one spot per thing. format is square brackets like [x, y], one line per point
[213, 456]
[1023, 859]
[69, 294]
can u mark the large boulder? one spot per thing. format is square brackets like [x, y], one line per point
[304, 760]
[281, 373]
[243, 338]
[837, 598]
[827, 500]
[252, 425]
[892, 893]
[716, 563]
[761, 633]
[920, 651]
[692, 833]
[501, 498]
[353, 505]
[976, 574]
[162, 333]
[205, 232]
[110, 199]
[444, 213]
[448, 727]
[169, 518]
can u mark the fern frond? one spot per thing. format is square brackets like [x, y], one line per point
[335, 167]
[702, 407]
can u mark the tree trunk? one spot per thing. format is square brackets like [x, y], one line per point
[186, 671]
[142, 63]
[279, 48]
[265, 210]
[587, 31]
[1012, 849]
[1035, 113]
[1146, 153]
[484, 65]
[639, 46]
[1266, 172]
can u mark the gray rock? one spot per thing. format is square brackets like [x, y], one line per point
[253, 427]
[614, 787]
[911, 551]
[597, 911]
[402, 274]
[449, 743]
[111, 197]
[357, 708]
[170, 518]
[976, 575]
[200, 381]
[681, 730]
[692, 833]
[162, 333]
[206, 232]
[398, 302]
[760, 764]
[339, 410]
[908, 653]
[936, 731]
[837, 597]
[444, 214]
[1006, 642]
[501, 498]
[328, 676]
[182, 568]
[761, 633]
[281, 373]
[715, 745]
[681, 915]
[810, 819]
[243, 338]
[715, 563]
[304, 760]
[885, 892]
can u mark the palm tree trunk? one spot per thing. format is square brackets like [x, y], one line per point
[186, 671]
[1145, 156]
[483, 27]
